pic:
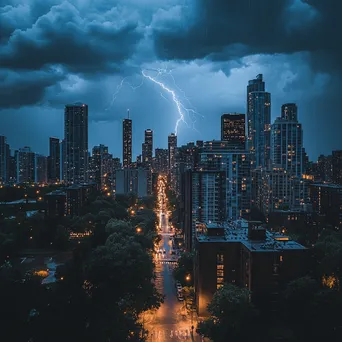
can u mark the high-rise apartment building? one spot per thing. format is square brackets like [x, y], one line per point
[127, 142]
[204, 199]
[172, 147]
[41, 169]
[147, 149]
[102, 166]
[217, 155]
[25, 165]
[132, 181]
[324, 168]
[76, 143]
[4, 160]
[54, 160]
[258, 122]
[161, 161]
[233, 130]
[337, 167]
[287, 141]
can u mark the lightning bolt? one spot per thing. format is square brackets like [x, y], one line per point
[175, 99]
[160, 73]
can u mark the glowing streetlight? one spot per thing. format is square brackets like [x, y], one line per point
[187, 278]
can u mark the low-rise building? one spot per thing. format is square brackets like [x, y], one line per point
[55, 202]
[247, 255]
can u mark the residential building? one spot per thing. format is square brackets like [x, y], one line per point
[4, 160]
[76, 143]
[56, 204]
[204, 200]
[54, 161]
[233, 130]
[246, 255]
[25, 165]
[287, 141]
[326, 200]
[147, 149]
[41, 169]
[102, 166]
[218, 156]
[131, 181]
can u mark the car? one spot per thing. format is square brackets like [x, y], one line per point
[179, 287]
[180, 298]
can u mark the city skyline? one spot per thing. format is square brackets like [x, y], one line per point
[214, 77]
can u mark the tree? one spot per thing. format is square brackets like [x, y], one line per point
[232, 316]
[312, 311]
[184, 269]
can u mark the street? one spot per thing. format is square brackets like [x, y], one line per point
[171, 321]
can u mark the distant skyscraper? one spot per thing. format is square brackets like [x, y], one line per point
[127, 142]
[337, 167]
[259, 127]
[258, 121]
[25, 165]
[54, 161]
[161, 161]
[76, 143]
[172, 146]
[147, 149]
[41, 169]
[233, 130]
[287, 141]
[102, 164]
[4, 160]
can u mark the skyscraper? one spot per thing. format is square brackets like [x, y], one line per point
[161, 161]
[147, 149]
[25, 165]
[233, 130]
[259, 127]
[41, 169]
[76, 143]
[54, 161]
[102, 163]
[4, 160]
[172, 146]
[127, 142]
[287, 141]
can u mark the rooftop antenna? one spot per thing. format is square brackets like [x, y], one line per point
[128, 113]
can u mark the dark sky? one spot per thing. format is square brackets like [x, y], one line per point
[205, 51]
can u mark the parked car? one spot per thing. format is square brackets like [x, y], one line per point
[180, 298]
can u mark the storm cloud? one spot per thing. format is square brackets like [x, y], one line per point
[56, 52]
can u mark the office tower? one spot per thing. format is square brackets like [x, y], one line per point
[258, 122]
[63, 160]
[41, 169]
[337, 167]
[76, 143]
[326, 200]
[147, 149]
[172, 147]
[102, 166]
[5, 156]
[217, 155]
[54, 161]
[233, 130]
[25, 165]
[161, 161]
[116, 163]
[287, 141]
[245, 254]
[127, 142]
[204, 199]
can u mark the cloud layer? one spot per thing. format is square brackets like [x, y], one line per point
[56, 52]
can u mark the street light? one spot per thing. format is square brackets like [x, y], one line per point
[187, 278]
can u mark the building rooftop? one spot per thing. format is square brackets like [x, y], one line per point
[238, 232]
[328, 185]
[56, 193]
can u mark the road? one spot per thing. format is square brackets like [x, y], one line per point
[170, 322]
